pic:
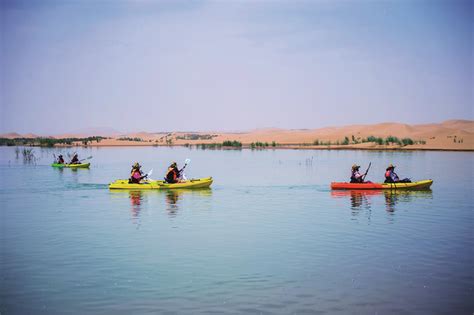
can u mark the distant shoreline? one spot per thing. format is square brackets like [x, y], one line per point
[248, 147]
[450, 135]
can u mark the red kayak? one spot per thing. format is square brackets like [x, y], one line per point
[422, 184]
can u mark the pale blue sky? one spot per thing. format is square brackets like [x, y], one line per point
[158, 66]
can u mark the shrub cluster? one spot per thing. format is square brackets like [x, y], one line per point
[209, 146]
[195, 136]
[130, 139]
[234, 143]
[47, 142]
[319, 142]
[377, 140]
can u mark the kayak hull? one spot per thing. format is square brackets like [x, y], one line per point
[161, 184]
[422, 184]
[82, 165]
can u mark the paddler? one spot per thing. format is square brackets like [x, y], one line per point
[75, 159]
[60, 159]
[136, 174]
[392, 177]
[356, 176]
[172, 175]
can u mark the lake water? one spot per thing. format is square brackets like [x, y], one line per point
[269, 237]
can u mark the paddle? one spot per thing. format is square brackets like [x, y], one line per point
[147, 175]
[365, 174]
[186, 162]
[87, 158]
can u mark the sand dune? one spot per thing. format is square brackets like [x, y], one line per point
[11, 135]
[448, 135]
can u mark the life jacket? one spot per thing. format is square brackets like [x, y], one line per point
[172, 176]
[355, 178]
[391, 177]
[136, 174]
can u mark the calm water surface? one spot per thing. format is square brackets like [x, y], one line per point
[269, 237]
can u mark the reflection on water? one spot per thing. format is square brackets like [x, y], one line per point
[136, 198]
[394, 197]
[365, 199]
[359, 199]
[172, 199]
[60, 170]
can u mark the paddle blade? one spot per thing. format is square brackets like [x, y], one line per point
[87, 158]
[149, 173]
[187, 161]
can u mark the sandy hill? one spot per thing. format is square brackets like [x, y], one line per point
[447, 135]
[89, 132]
[30, 135]
[10, 135]
[452, 134]
[466, 125]
[13, 135]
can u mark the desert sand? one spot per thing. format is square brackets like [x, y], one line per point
[448, 135]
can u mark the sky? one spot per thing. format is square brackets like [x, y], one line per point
[68, 66]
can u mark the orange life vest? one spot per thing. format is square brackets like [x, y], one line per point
[172, 175]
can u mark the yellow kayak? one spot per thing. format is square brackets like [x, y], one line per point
[161, 184]
[422, 184]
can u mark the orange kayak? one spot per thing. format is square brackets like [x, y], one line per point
[422, 184]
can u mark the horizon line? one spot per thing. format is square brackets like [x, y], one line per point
[117, 132]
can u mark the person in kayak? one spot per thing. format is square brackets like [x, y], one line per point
[392, 177]
[172, 175]
[356, 177]
[75, 159]
[60, 159]
[136, 174]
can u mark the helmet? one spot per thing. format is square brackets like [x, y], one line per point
[390, 167]
[136, 165]
[174, 164]
[355, 167]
